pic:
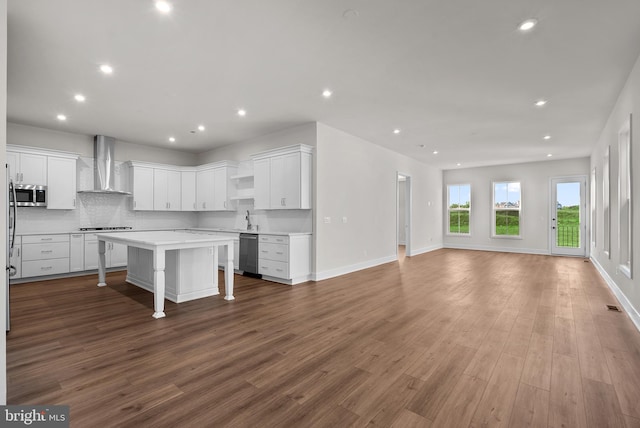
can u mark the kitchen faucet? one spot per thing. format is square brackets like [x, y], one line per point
[248, 218]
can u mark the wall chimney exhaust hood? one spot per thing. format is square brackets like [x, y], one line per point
[103, 167]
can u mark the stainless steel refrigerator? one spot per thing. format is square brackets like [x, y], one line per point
[11, 236]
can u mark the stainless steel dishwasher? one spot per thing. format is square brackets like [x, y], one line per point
[249, 254]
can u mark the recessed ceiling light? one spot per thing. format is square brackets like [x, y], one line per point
[547, 137]
[79, 98]
[106, 69]
[163, 6]
[242, 112]
[435, 152]
[200, 127]
[327, 93]
[549, 155]
[396, 131]
[458, 164]
[540, 103]
[172, 140]
[61, 117]
[528, 24]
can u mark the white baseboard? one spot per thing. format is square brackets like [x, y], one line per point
[626, 304]
[498, 249]
[418, 251]
[332, 273]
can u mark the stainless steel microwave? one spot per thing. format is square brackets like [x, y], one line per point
[29, 195]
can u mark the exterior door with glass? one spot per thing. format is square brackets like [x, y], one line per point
[568, 207]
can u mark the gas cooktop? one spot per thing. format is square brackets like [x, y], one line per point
[106, 228]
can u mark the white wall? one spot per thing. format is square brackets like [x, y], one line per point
[3, 206]
[31, 136]
[535, 223]
[302, 134]
[627, 290]
[357, 180]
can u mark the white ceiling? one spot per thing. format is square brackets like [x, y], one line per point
[454, 75]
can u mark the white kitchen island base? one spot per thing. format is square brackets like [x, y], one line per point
[161, 257]
[188, 273]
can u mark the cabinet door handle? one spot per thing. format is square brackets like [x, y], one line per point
[134, 204]
[46, 251]
[18, 248]
[74, 202]
[46, 239]
[204, 205]
[279, 252]
[46, 268]
[194, 206]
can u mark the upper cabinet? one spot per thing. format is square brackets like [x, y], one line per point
[141, 181]
[27, 167]
[166, 190]
[54, 169]
[61, 183]
[188, 190]
[213, 186]
[282, 178]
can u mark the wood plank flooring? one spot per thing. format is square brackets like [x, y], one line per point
[452, 338]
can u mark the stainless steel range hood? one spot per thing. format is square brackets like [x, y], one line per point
[103, 167]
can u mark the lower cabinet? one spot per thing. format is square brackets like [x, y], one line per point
[286, 258]
[115, 254]
[76, 252]
[45, 255]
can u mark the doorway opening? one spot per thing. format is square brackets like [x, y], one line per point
[403, 216]
[568, 206]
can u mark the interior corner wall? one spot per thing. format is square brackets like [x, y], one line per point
[535, 180]
[32, 136]
[628, 103]
[357, 181]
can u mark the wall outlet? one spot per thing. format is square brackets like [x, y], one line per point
[327, 220]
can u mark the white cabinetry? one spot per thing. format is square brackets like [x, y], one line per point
[214, 190]
[45, 255]
[141, 187]
[16, 258]
[188, 190]
[76, 252]
[166, 190]
[283, 177]
[115, 254]
[204, 189]
[286, 258]
[27, 167]
[61, 182]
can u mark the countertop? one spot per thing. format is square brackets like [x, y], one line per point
[194, 229]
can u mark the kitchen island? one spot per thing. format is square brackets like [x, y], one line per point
[192, 266]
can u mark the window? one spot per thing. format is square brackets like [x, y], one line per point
[507, 197]
[459, 208]
[606, 215]
[624, 198]
[594, 211]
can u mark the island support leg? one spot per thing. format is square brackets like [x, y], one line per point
[214, 254]
[228, 273]
[158, 283]
[102, 264]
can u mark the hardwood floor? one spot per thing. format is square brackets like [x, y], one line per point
[452, 338]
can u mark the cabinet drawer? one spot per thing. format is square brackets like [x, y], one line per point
[54, 250]
[274, 239]
[273, 268]
[37, 239]
[44, 267]
[276, 252]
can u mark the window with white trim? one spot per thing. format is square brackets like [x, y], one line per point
[507, 204]
[624, 198]
[459, 209]
[606, 215]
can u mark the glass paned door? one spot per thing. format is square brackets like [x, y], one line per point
[568, 216]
